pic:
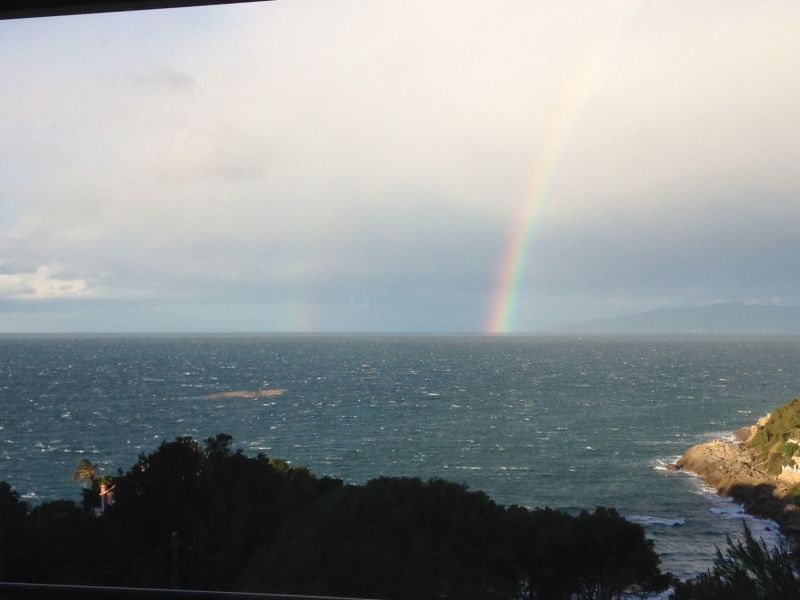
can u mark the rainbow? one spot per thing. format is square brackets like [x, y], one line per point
[514, 264]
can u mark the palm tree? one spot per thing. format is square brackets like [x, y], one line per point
[85, 471]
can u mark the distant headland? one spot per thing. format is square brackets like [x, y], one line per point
[722, 318]
[760, 467]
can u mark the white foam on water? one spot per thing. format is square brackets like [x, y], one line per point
[726, 435]
[650, 520]
[725, 508]
[723, 515]
[664, 464]
[731, 511]
[676, 442]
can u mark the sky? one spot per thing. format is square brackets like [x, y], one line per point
[385, 166]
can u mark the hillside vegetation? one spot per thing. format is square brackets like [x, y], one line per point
[775, 441]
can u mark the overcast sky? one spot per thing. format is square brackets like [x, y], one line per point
[338, 165]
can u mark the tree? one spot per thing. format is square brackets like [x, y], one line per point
[13, 513]
[260, 524]
[613, 557]
[594, 556]
[85, 472]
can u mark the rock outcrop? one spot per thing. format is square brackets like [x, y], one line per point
[723, 465]
[733, 469]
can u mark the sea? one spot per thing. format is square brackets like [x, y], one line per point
[566, 422]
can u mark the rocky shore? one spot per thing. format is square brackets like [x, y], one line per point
[733, 469]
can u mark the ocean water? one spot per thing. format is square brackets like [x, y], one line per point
[565, 422]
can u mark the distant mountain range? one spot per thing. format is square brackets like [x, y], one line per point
[726, 318]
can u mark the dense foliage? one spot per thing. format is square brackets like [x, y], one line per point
[775, 441]
[257, 524]
[747, 570]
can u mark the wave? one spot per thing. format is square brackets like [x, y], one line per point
[726, 509]
[737, 511]
[726, 435]
[731, 511]
[676, 442]
[649, 520]
[664, 464]
[505, 468]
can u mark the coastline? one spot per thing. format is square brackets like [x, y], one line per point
[733, 470]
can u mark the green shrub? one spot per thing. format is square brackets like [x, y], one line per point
[748, 570]
[771, 441]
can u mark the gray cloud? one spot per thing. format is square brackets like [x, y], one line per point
[362, 166]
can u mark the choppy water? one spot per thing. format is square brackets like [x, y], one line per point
[564, 422]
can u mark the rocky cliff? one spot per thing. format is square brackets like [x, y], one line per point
[739, 470]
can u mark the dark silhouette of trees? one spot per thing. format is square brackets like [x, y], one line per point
[596, 555]
[13, 530]
[259, 524]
